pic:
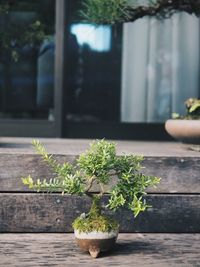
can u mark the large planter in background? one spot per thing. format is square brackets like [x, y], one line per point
[186, 131]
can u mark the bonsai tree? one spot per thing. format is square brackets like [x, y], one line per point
[119, 11]
[98, 165]
[192, 110]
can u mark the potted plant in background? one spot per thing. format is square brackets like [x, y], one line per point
[120, 11]
[186, 128]
[95, 231]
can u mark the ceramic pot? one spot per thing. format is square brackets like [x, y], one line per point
[186, 131]
[95, 242]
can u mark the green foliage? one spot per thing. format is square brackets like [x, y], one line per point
[131, 186]
[192, 110]
[70, 184]
[98, 161]
[118, 11]
[12, 39]
[61, 170]
[175, 115]
[193, 106]
[15, 36]
[4, 8]
[95, 209]
[94, 220]
[104, 11]
[67, 178]
[101, 223]
[98, 164]
[35, 33]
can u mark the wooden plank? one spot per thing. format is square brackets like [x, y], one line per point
[14, 166]
[157, 250]
[55, 213]
[175, 172]
[69, 146]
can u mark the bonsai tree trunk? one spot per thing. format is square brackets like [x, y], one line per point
[95, 210]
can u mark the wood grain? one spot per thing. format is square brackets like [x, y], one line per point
[14, 145]
[179, 175]
[55, 213]
[135, 250]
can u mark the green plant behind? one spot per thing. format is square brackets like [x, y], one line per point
[98, 165]
[104, 11]
[192, 110]
[119, 11]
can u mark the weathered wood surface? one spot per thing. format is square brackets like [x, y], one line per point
[135, 250]
[13, 167]
[55, 213]
[179, 175]
[76, 146]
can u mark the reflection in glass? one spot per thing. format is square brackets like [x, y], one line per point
[94, 76]
[27, 59]
[141, 72]
[160, 67]
[98, 38]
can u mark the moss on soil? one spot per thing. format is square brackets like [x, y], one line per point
[99, 223]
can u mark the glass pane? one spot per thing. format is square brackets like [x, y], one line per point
[160, 67]
[27, 59]
[95, 63]
[141, 72]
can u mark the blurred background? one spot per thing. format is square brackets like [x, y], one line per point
[62, 77]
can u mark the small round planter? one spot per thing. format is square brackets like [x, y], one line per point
[96, 242]
[186, 131]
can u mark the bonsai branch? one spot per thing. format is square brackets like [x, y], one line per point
[163, 9]
[101, 159]
[102, 191]
[95, 209]
[119, 11]
[92, 179]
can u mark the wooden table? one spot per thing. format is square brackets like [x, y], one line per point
[134, 250]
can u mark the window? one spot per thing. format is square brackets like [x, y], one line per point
[127, 79]
[160, 67]
[60, 76]
[27, 59]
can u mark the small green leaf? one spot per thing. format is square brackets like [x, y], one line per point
[175, 115]
[194, 107]
[98, 164]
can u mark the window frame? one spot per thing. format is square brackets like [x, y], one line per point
[60, 128]
[44, 127]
